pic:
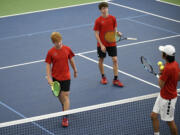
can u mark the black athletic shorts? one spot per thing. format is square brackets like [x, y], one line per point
[112, 51]
[65, 85]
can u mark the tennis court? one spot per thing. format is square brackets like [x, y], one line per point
[27, 105]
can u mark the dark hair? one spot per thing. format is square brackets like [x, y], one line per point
[102, 4]
[169, 58]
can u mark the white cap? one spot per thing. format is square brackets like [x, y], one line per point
[168, 49]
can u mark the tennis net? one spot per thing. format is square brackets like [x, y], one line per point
[124, 117]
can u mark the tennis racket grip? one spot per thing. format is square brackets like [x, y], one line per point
[157, 76]
[128, 38]
[47, 79]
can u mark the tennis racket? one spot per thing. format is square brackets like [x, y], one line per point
[147, 66]
[114, 37]
[56, 88]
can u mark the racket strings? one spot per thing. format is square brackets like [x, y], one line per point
[147, 66]
[56, 85]
[56, 88]
[111, 37]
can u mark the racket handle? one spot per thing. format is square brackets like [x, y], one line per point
[131, 38]
[47, 79]
[157, 76]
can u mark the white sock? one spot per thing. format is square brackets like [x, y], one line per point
[156, 133]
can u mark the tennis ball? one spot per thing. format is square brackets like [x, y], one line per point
[161, 67]
[159, 63]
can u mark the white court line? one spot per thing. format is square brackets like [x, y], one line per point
[65, 28]
[50, 9]
[168, 3]
[17, 65]
[145, 12]
[131, 44]
[78, 110]
[120, 71]
[73, 111]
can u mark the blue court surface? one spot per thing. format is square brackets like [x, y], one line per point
[25, 40]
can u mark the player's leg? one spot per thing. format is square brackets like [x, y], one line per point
[112, 52]
[173, 127]
[154, 115]
[64, 99]
[155, 123]
[115, 67]
[101, 66]
[61, 101]
[60, 93]
[169, 109]
[101, 56]
[64, 94]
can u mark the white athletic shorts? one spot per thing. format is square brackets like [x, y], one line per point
[165, 108]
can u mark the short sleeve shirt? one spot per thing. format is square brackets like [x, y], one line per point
[104, 25]
[59, 60]
[170, 77]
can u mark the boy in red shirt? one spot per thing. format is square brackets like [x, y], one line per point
[103, 24]
[57, 69]
[166, 101]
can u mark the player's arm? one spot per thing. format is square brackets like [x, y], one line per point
[164, 75]
[179, 77]
[116, 29]
[119, 33]
[161, 83]
[97, 37]
[73, 65]
[99, 41]
[48, 73]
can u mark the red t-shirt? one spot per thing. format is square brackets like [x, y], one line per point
[104, 25]
[59, 60]
[170, 77]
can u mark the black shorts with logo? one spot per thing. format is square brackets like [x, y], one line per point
[112, 51]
